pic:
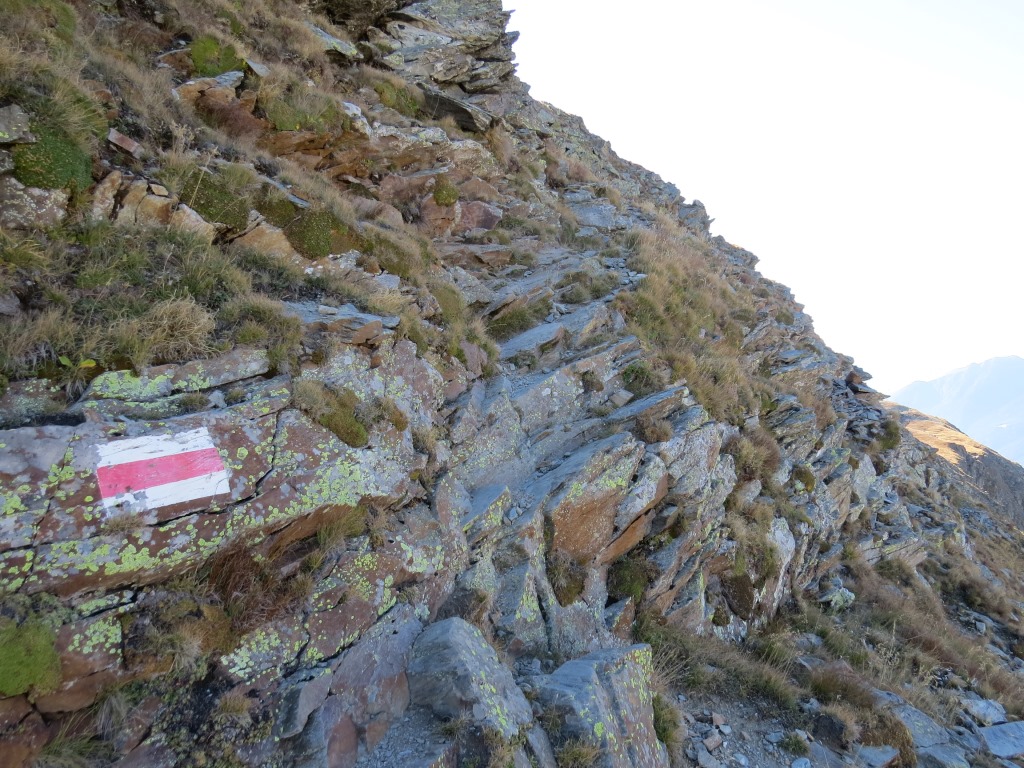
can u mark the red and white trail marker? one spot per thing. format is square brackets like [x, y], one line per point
[159, 470]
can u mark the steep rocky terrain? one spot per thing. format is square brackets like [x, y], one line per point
[360, 410]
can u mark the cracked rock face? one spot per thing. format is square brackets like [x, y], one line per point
[441, 555]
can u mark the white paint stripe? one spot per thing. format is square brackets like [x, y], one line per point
[153, 446]
[171, 493]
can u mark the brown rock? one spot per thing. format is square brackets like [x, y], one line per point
[370, 684]
[12, 711]
[478, 215]
[438, 220]
[104, 196]
[268, 239]
[714, 741]
[291, 142]
[154, 209]
[342, 737]
[478, 189]
[89, 646]
[137, 192]
[247, 100]
[589, 486]
[178, 60]
[125, 143]
[76, 694]
[20, 750]
[190, 221]
[476, 358]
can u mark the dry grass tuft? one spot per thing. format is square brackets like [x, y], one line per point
[253, 591]
[335, 411]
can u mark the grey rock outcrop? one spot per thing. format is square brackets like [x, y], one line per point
[454, 672]
[604, 699]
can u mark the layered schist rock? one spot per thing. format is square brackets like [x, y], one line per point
[192, 544]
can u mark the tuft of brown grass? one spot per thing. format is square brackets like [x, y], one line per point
[567, 576]
[577, 753]
[335, 411]
[253, 591]
[734, 671]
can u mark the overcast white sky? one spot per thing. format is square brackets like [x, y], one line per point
[871, 153]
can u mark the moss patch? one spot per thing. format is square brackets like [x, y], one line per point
[214, 199]
[315, 234]
[398, 98]
[55, 161]
[445, 193]
[29, 660]
[210, 58]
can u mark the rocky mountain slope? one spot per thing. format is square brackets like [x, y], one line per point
[360, 410]
[985, 400]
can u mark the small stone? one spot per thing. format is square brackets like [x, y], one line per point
[190, 221]
[877, 757]
[258, 69]
[717, 719]
[725, 729]
[159, 189]
[704, 758]
[125, 143]
[775, 737]
[620, 397]
[14, 126]
[800, 762]
[713, 742]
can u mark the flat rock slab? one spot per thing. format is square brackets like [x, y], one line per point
[925, 731]
[454, 671]
[24, 207]
[352, 326]
[876, 757]
[985, 711]
[466, 115]
[942, 756]
[1006, 740]
[534, 342]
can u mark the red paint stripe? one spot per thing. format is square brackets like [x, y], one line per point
[145, 473]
